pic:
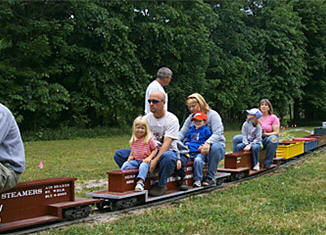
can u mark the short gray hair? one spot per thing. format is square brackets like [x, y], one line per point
[164, 72]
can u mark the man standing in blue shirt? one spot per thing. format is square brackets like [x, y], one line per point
[12, 156]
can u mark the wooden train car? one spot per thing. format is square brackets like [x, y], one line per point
[120, 193]
[240, 164]
[41, 201]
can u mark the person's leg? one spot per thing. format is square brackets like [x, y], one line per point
[182, 183]
[181, 172]
[236, 140]
[133, 164]
[255, 149]
[199, 163]
[167, 164]
[121, 156]
[143, 170]
[215, 155]
[270, 144]
[8, 177]
[240, 147]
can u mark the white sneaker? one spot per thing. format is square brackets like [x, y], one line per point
[197, 183]
[256, 167]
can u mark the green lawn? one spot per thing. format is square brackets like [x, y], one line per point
[87, 159]
[289, 201]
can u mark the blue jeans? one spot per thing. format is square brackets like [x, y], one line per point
[121, 156]
[237, 139]
[137, 164]
[255, 149]
[181, 172]
[167, 163]
[270, 143]
[215, 155]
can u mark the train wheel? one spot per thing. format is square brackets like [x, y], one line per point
[104, 204]
[76, 212]
[125, 203]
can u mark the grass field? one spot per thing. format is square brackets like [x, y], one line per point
[89, 158]
[289, 201]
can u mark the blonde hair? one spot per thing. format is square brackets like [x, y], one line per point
[195, 97]
[270, 111]
[140, 120]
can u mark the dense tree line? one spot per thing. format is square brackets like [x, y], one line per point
[87, 63]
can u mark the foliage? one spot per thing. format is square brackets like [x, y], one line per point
[88, 63]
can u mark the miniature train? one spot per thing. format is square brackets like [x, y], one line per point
[120, 193]
[48, 200]
[42, 201]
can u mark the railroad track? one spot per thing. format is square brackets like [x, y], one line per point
[97, 215]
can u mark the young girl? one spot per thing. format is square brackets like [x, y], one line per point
[252, 136]
[143, 149]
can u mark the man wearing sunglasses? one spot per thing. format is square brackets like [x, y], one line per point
[163, 78]
[165, 128]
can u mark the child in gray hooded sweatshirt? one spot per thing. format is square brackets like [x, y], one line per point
[252, 136]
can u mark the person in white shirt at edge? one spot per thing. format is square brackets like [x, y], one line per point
[163, 78]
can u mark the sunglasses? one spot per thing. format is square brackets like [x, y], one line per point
[154, 101]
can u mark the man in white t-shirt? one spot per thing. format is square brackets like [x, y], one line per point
[163, 78]
[165, 128]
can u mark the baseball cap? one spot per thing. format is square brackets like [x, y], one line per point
[199, 116]
[256, 112]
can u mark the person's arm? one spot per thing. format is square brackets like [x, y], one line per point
[217, 132]
[245, 134]
[245, 137]
[131, 156]
[185, 128]
[276, 131]
[216, 128]
[165, 147]
[5, 124]
[258, 138]
[151, 156]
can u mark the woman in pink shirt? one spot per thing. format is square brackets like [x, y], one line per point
[271, 128]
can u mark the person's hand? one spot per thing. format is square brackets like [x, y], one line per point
[147, 160]
[153, 165]
[205, 148]
[247, 148]
[130, 158]
[178, 164]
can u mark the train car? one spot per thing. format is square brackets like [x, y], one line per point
[321, 139]
[288, 149]
[309, 143]
[320, 130]
[41, 201]
[121, 183]
[240, 164]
